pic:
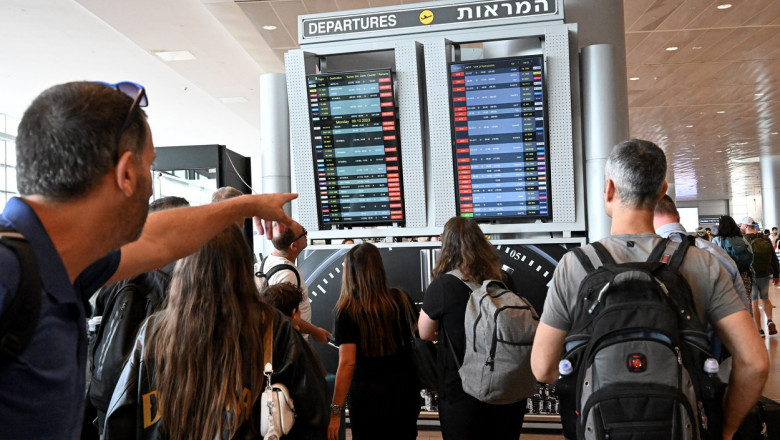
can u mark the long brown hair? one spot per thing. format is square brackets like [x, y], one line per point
[211, 328]
[366, 298]
[464, 247]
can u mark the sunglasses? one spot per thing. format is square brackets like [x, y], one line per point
[305, 234]
[133, 90]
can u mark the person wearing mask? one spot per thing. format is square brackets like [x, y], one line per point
[463, 247]
[196, 370]
[373, 328]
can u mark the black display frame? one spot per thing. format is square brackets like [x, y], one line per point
[370, 222]
[546, 131]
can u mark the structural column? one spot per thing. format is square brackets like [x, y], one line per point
[274, 139]
[601, 37]
[770, 190]
[275, 134]
[605, 123]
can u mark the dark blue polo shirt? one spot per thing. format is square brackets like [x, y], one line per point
[42, 392]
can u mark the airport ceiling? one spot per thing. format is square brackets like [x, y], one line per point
[711, 103]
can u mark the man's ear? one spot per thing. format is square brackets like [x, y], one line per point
[125, 173]
[664, 188]
[609, 190]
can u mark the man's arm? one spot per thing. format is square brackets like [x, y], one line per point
[175, 233]
[750, 368]
[546, 352]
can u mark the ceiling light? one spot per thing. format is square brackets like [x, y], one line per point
[774, 132]
[234, 100]
[689, 126]
[634, 78]
[758, 94]
[174, 55]
[269, 27]
[672, 48]
[720, 112]
[697, 48]
[718, 151]
[724, 6]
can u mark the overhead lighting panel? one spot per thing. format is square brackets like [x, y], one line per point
[174, 55]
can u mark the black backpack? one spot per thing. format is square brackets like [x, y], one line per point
[265, 276]
[127, 304]
[20, 318]
[638, 350]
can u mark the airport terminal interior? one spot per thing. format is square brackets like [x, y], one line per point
[389, 117]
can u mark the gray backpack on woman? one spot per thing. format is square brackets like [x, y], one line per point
[500, 328]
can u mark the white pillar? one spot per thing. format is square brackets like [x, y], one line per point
[274, 139]
[604, 124]
[770, 172]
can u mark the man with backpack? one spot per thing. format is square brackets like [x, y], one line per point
[278, 268]
[650, 345]
[84, 154]
[763, 265]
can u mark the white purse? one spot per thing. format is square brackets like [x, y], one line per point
[277, 412]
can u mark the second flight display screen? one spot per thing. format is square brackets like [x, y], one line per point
[356, 149]
[500, 139]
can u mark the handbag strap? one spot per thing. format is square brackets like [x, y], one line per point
[268, 340]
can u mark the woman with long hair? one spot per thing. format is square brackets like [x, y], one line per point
[729, 237]
[465, 248]
[197, 369]
[373, 331]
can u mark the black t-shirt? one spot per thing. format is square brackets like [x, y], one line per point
[445, 301]
[348, 332]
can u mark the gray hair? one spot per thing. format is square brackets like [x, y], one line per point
[638, 170]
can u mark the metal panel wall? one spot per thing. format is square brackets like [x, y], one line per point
[411, 124]
[559, 94]
[437, 78]
[300, 141]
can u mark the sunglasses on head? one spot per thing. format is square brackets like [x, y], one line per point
[134, 91]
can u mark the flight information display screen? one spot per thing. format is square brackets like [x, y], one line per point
[500, 146]
[357, 154]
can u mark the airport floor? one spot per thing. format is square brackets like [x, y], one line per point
[771, 389]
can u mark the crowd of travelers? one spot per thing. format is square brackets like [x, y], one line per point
[195, 365]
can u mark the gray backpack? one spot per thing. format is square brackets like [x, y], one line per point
[500, 328]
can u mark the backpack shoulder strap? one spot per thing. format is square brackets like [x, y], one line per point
[281, 267]
[603, 253]
[18, 322]
[659, 250]
[583, 259]
[679, 254]
[459, 275]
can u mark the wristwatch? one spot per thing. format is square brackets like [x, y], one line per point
[335, 409]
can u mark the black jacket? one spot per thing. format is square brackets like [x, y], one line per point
[295, 365]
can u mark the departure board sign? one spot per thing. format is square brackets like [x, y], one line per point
[357, 155]
[500, 138]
